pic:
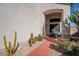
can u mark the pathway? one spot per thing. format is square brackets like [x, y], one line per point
[42, 50]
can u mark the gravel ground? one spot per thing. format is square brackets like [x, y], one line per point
[55, 53]
[24, 49]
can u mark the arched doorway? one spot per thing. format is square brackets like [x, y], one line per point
[53, 21]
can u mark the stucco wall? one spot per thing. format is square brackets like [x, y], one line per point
[73, 30]
[24, 18]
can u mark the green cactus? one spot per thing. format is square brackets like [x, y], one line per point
[33, 40]
[5, 41]
[9, 48]
[5, 45]
[15, 49]
[15, 38]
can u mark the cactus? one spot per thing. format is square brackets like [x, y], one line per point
[15, 48]
[5, 41]
[5, 45]
[9, 48]
[15, 38]
[32, 40]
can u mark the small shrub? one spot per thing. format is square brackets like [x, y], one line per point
[68, 47]
[40, 37]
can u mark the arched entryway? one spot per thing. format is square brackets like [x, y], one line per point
[53, 21]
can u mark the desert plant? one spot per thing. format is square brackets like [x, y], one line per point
[35, 38]
[32, 40]
[5, 41]
[15, 38]
[9, 48]
[68, 47]
[40, 37]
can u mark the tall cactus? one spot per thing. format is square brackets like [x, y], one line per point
[11, 49]
[32, 40]
[15, 38]
[5, 41]
[5, 45]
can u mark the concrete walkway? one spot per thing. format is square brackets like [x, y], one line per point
[42, 50]
[24, 49]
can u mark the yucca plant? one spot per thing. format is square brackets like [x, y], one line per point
[9, 48]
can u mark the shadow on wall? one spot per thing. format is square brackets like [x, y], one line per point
[74, 33]
[75, 36]
[43, 30]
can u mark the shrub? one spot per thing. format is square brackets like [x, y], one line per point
[40, 37]
[68, 47]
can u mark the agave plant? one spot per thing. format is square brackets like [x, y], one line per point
[9, 48]
[40, 37]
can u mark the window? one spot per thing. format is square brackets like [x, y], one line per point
[55, 20]
[54, 28]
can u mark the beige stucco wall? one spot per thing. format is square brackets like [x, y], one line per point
[73, 30]
[44, 7]
[25, 18]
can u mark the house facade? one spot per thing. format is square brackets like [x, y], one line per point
[29, 18]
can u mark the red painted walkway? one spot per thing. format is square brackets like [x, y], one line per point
[42, 50]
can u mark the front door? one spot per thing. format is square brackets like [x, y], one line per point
[53, 26]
